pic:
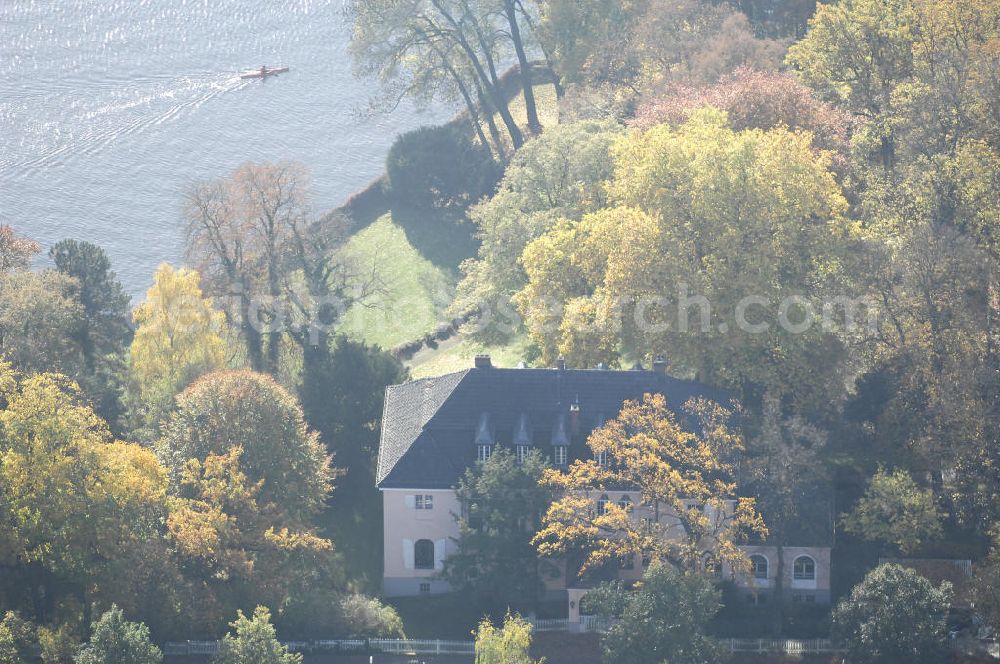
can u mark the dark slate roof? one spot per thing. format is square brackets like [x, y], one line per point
[429, 426]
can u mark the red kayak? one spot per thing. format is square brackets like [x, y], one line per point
[263, 72]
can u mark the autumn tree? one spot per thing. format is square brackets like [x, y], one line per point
[503, 503]
[237, 229]
[510, 644]
[687, 512]
[662, 266]
[250, 412]
[177, 339]
[73, 500]
[16, 251]
[240, 548]
[753, 100]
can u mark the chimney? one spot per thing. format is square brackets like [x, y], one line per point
[660, 365]
[483, 362]
[561, 363]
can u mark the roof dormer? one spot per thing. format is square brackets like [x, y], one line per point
[484, 432]
[559, 435]
[522, 435]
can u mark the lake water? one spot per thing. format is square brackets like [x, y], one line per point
[110, 110]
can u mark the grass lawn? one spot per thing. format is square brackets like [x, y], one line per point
[458, 353]
[546, 104]
[450, 616]
[414, 291]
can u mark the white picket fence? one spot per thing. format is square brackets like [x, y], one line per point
[390, 646]
[786, 646]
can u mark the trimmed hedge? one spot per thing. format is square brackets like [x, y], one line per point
[439, 168]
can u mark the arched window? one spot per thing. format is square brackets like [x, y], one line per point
[759, 564]
[602, 505]
[804, 569]
[625, 502]
[423, 554]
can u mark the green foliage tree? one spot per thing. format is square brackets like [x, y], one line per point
[439, 168]
[106, 330]
[40, 320]
[503, 503]
[368, 617]
[895, 511]
[18, 638]
[115, 640]
[251, 412]
[986, 583]
[451, 48]
[663, 267]
[559, 175]
[177, 339]
[894, 615]
[254, 642]
[664, 620]
[105, 302]
[511, 644]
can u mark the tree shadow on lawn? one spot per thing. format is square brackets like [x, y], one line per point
[444, 237]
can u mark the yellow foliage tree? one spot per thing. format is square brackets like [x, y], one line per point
[177, 339]
[72, 500]
[687, 512]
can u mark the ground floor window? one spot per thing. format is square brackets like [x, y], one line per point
[425, 588]
[423, 554]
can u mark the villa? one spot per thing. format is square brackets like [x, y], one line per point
[433, 429]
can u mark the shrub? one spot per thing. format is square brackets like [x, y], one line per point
[255, 642]
[439, 168]
[368, 617]
[894, 615]
[117, 641]
[58, 645]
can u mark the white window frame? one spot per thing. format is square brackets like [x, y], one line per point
[602, 505]
[797, 576]
[601, 458]
[521, 453]
[560, 455]
[484, 453]
[423, 501]
[753, 567]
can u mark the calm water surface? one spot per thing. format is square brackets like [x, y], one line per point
[110, 110]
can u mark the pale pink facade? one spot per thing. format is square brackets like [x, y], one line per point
[417, 521]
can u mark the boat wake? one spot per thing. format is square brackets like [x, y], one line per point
[90, 125]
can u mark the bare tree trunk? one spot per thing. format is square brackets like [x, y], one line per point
[522, 59]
